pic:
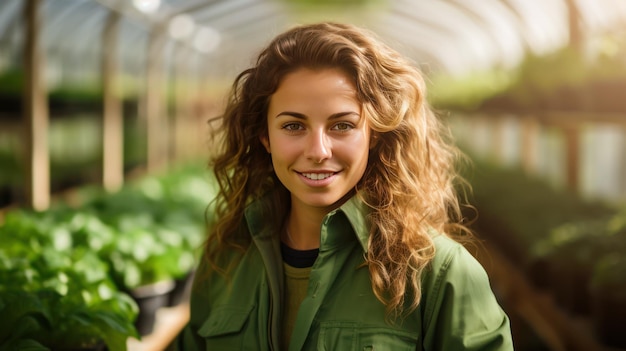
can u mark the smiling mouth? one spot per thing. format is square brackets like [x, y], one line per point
[317, 176]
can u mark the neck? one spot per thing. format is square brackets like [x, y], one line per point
[302, 229]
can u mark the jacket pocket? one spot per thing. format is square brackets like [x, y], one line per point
[226, 327]
[354, 336]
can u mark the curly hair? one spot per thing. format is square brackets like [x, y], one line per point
[410, 180]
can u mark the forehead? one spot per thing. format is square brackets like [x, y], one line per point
[315, 83]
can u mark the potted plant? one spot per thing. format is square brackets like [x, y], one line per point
[148, 235]
[139, 266]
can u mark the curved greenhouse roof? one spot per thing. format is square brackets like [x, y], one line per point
[451, 36]
[163, 63]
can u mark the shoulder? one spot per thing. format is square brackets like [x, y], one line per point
[460, 310]
[449, 251]
[453, 268]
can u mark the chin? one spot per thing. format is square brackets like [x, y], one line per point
[331, 203]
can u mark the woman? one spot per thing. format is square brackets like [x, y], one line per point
[336, 211]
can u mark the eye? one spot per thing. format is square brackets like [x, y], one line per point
[292, 127]
[343, 126]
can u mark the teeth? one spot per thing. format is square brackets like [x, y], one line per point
[317, 176]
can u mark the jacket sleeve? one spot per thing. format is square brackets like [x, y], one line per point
[461, 311]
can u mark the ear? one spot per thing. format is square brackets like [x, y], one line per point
[374, 139]
[266, 142]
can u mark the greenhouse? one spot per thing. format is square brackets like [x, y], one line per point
[108, 114]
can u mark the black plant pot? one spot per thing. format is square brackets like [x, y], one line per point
[608, 314]
[150, 298]
[182, 290]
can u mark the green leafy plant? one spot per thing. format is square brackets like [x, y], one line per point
[69, 271]
[158, 226]
[58, 299]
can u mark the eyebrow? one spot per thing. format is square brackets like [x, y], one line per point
[303, 116]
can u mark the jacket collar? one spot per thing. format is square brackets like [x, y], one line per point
[356, 212]
[339, 226]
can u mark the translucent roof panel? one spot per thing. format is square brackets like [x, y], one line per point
[453, 36]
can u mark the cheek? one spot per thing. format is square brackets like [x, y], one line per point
[365, 149]
[356, 152]
[283, 149]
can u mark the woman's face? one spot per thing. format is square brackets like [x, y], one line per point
[317, 136]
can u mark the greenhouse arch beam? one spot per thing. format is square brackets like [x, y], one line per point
[35, 111]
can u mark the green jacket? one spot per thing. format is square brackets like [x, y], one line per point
[458, 310]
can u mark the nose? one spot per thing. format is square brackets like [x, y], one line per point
[318, 147]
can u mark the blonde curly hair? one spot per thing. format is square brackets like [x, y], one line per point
[410, 180]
